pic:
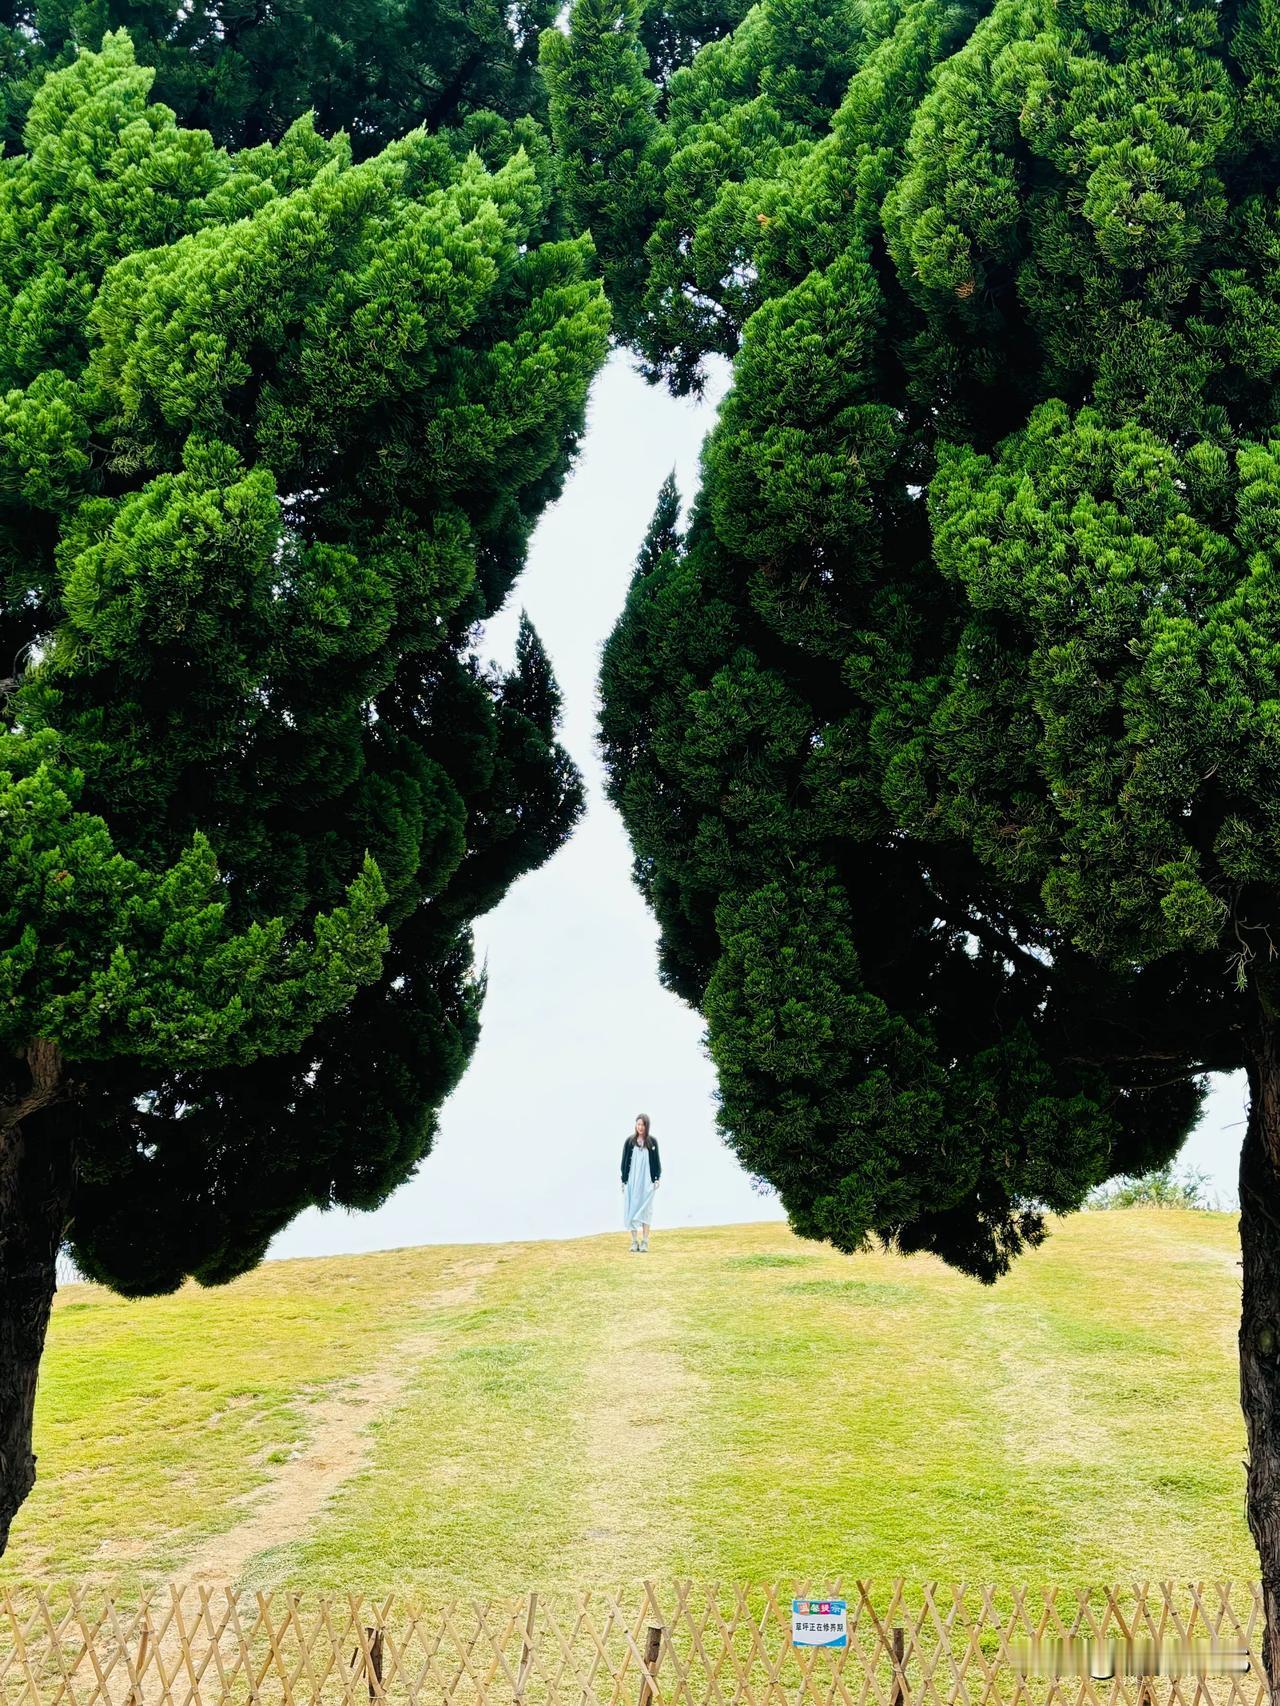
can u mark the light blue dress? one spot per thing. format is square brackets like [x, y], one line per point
[637, 1193]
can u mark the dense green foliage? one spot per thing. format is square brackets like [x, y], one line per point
[274, 428]
[668, 178]
[245, 70]
[377, 68]
[671, 35]
[945, 737]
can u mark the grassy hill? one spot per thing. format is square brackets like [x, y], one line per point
[736, 1404]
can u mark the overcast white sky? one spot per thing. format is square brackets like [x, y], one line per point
[578, 1034]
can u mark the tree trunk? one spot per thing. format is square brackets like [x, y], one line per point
[37, 1162]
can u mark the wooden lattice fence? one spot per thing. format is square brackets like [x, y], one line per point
[656, 1645]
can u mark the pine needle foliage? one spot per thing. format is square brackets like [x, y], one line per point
[275, 427]
[668, 171]
[943, 735]
[244, 72]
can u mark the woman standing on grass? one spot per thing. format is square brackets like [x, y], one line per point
[641, 1170]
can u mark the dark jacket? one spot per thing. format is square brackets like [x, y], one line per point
[655, 1163]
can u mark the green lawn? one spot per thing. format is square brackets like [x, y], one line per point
[736, 1404]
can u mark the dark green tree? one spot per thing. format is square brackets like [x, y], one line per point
[944, 736]
[274, 429]
[669, 177]
[244, 70]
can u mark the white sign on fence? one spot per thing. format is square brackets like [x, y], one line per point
[819, 1623]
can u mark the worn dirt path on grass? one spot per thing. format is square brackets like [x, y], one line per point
[631, 1434]
[339, 1443]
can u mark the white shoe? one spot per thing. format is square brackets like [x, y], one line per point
[645, 1244]
[634, 1246]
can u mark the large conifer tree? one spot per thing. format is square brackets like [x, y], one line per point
[274, 428]
[944, 738]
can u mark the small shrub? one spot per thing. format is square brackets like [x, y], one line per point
[1163, 1187]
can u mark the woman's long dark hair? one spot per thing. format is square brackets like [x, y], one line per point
[636, 1122]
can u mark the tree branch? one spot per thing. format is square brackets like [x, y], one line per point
[48, 1085]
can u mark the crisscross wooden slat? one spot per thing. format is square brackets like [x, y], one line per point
[650, 1645]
